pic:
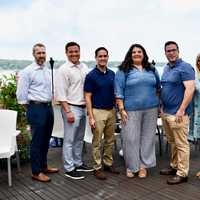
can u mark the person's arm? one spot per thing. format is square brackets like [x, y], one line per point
[22, 88]
[188, 94]
[120, 82]
[68, 112]
[122, 111]
[61, 91]
[88, 99]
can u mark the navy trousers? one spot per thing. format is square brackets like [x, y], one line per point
[41, 119]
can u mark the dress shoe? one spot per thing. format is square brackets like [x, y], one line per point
[41, 177]
[176, 180]
[142, 173]
[50, 170]
[111, 169]
[99, 175]
[168, 171]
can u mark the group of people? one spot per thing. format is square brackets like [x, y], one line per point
[135, 90]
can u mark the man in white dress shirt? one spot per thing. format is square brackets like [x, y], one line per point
[34, 91]
[69, 92]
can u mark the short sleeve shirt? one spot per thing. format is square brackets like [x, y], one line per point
[137, 88]
[172, 92]
[101, 85]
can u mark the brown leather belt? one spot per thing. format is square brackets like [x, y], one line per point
[80, 106]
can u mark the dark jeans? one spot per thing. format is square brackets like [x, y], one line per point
[40, 117]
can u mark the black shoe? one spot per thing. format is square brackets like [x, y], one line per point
[177, 180]
[111, 169]
[84, 168]
[168, 171]
[74, 175]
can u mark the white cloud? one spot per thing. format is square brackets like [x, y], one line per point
[115, 24]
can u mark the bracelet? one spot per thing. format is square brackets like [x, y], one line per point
[68, 111]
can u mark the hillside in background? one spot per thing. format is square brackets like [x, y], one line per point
[6, 64]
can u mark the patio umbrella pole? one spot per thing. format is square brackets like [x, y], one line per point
[51, 62]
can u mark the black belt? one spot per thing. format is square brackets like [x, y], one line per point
[45, 103]
[80, 106]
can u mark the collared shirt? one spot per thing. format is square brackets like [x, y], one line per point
[101, 85]
[172, 92]
[137, 88]
[34, 84]
[69, 83]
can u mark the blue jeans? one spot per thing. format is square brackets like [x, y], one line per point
[73, 138]
[41, 120]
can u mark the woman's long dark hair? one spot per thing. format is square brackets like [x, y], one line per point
[127, 63]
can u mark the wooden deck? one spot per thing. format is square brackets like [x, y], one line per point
[116, 187]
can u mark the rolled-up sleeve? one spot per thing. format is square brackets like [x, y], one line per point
[61, 86]
[23, 87]
[119, 84]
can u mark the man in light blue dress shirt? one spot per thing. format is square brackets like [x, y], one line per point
[35, 92]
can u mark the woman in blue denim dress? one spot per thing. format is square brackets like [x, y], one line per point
[194, 134]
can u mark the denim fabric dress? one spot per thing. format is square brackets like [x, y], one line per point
[194, 133]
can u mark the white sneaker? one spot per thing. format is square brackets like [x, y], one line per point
[121, 153]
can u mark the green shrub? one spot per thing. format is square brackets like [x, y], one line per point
[8, 100]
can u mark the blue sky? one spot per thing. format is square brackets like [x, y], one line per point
[115, 24]
[14, 3]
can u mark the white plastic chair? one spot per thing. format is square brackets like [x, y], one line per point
[8, 133]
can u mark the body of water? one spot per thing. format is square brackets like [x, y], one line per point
[8, 72]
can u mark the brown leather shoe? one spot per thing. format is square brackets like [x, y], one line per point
[177, 180]
[168, 171]
[111, 169]
[99, 175]
[50, 170]
[41, 177]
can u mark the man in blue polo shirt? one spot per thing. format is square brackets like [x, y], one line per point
[176, 94]
[99, 95]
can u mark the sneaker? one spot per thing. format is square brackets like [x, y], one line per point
[74, 175]
[121, 153]
[84, 168]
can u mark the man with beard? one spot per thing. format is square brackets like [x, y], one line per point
[34, 91]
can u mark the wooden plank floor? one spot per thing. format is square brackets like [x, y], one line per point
[115, 187]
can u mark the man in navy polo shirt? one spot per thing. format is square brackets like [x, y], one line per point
[176, 94]
[99, 95]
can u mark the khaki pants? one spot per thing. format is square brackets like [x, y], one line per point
[177, 137]
[105, 126]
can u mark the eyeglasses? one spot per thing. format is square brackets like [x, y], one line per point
[171, 50]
